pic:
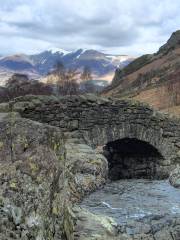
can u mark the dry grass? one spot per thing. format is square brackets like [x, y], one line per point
[175, 111]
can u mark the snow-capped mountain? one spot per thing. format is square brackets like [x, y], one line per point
[102, 65]
[58, 50]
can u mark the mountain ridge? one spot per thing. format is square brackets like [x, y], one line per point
[42, 63]
[152, 78]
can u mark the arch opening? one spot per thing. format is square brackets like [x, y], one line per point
[132, 158]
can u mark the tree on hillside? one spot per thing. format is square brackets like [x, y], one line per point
[59, 69]
[86, 74]
[20, 85]
[66, 80]
[70, 84]
[16, 85]
[86, 80]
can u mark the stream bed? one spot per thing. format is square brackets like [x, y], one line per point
[137, 205]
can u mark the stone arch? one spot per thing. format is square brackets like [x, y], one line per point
[132, 158]
[100, 136]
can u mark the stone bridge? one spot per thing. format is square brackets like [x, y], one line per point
[134, 137]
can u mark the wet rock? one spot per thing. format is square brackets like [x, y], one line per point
[81, 224]
[174, 177]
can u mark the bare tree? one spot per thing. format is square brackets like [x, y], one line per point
[86, 74]
[86, 81]
[66, 80]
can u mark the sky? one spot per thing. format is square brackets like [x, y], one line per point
[132, 27]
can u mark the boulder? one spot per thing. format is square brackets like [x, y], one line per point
[86, 170]
[80, 224]
[174, 177]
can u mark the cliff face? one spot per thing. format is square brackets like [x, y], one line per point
[154, 79]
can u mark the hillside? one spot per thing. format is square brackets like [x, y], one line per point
[38, 65]
[152, 78]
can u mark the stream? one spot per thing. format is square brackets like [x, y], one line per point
[137, 205]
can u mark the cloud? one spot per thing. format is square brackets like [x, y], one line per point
[117, 26]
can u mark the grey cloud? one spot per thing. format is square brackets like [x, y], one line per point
[111, 25]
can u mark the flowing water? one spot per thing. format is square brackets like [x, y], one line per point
[135, 204]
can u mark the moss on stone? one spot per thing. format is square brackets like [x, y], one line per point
[34, 167]
[13, 185]
[1, 145]
[5, 107]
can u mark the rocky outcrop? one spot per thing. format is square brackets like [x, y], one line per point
[172, 43]
[31, 177]
[153, 79]
[174, 177]
[39, 175]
